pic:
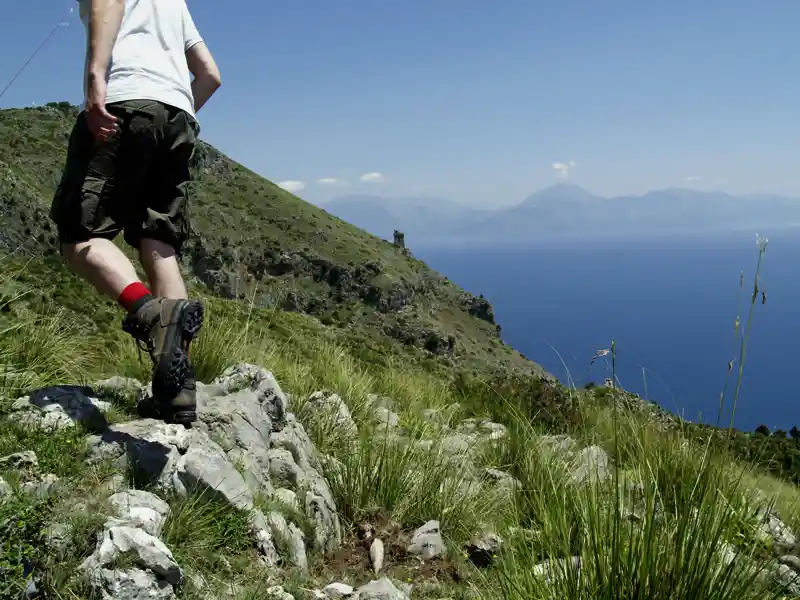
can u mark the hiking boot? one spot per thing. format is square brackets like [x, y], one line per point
[165, 328]
[182, 410]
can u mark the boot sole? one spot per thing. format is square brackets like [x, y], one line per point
[148, 410]
[164, 413]
[169, 376]
[182, 417]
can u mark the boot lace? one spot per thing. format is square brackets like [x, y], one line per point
[141, 333]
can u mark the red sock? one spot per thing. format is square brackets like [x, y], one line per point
[132, 294]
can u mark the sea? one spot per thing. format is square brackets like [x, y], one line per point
[668, 301]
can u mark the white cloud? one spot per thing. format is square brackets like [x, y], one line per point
[373, 177]
[331, 181]
[562, 169]
[691, 178]
[292, 186]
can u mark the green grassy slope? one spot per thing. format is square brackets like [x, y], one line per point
[256, 242]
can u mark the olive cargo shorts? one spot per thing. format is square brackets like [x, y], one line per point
[136, 182]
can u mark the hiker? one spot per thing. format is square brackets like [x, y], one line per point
[127, 170]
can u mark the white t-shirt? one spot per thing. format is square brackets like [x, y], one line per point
[148, 61]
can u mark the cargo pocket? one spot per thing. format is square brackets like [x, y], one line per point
[92, 211]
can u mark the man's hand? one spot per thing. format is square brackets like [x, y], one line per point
[101, 123]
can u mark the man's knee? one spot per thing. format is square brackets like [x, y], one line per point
[156, 249]
[71, 250]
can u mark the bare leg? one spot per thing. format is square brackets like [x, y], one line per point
[100, 262]
[161, 265]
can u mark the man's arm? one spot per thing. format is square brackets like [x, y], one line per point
[207, 79]
[104, 23]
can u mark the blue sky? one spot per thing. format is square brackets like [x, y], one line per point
[476, 100]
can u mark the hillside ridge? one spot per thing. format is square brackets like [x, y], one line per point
[254, 242]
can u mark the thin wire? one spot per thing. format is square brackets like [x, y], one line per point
[32, 56]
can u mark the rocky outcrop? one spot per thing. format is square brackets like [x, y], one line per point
[245, 449]
[220, 268]
[414, 333]
[208, 160]
[479, 307]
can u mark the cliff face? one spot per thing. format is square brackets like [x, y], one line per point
[255, 242]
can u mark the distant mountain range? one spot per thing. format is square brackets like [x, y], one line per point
[565, 208]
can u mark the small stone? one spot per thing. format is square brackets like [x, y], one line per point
[366, 531]
[338, 590]
[549, 569]
[431, 415]
[32, 591]
[590, 463]
[561, 445]
[115, 483]
[260, 531]
[727, 553]
[494, 431]
[20, 460]
[380, 589]
[333, 407]
[427, 541]
[375, 401]
[147, 551]
[791, 561]
[289, 538]
[276, 592]
[5, 489]
[42, 488]
[130, 584]
[458, 444]
[141, 509]
[502, 480]
[57, 535]
[632, 516]
[287, 497]
[441, 416]
[386, 417]
[376, 554]
[196, 579]
[787, 577]
[483, 549]
[772, 528]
